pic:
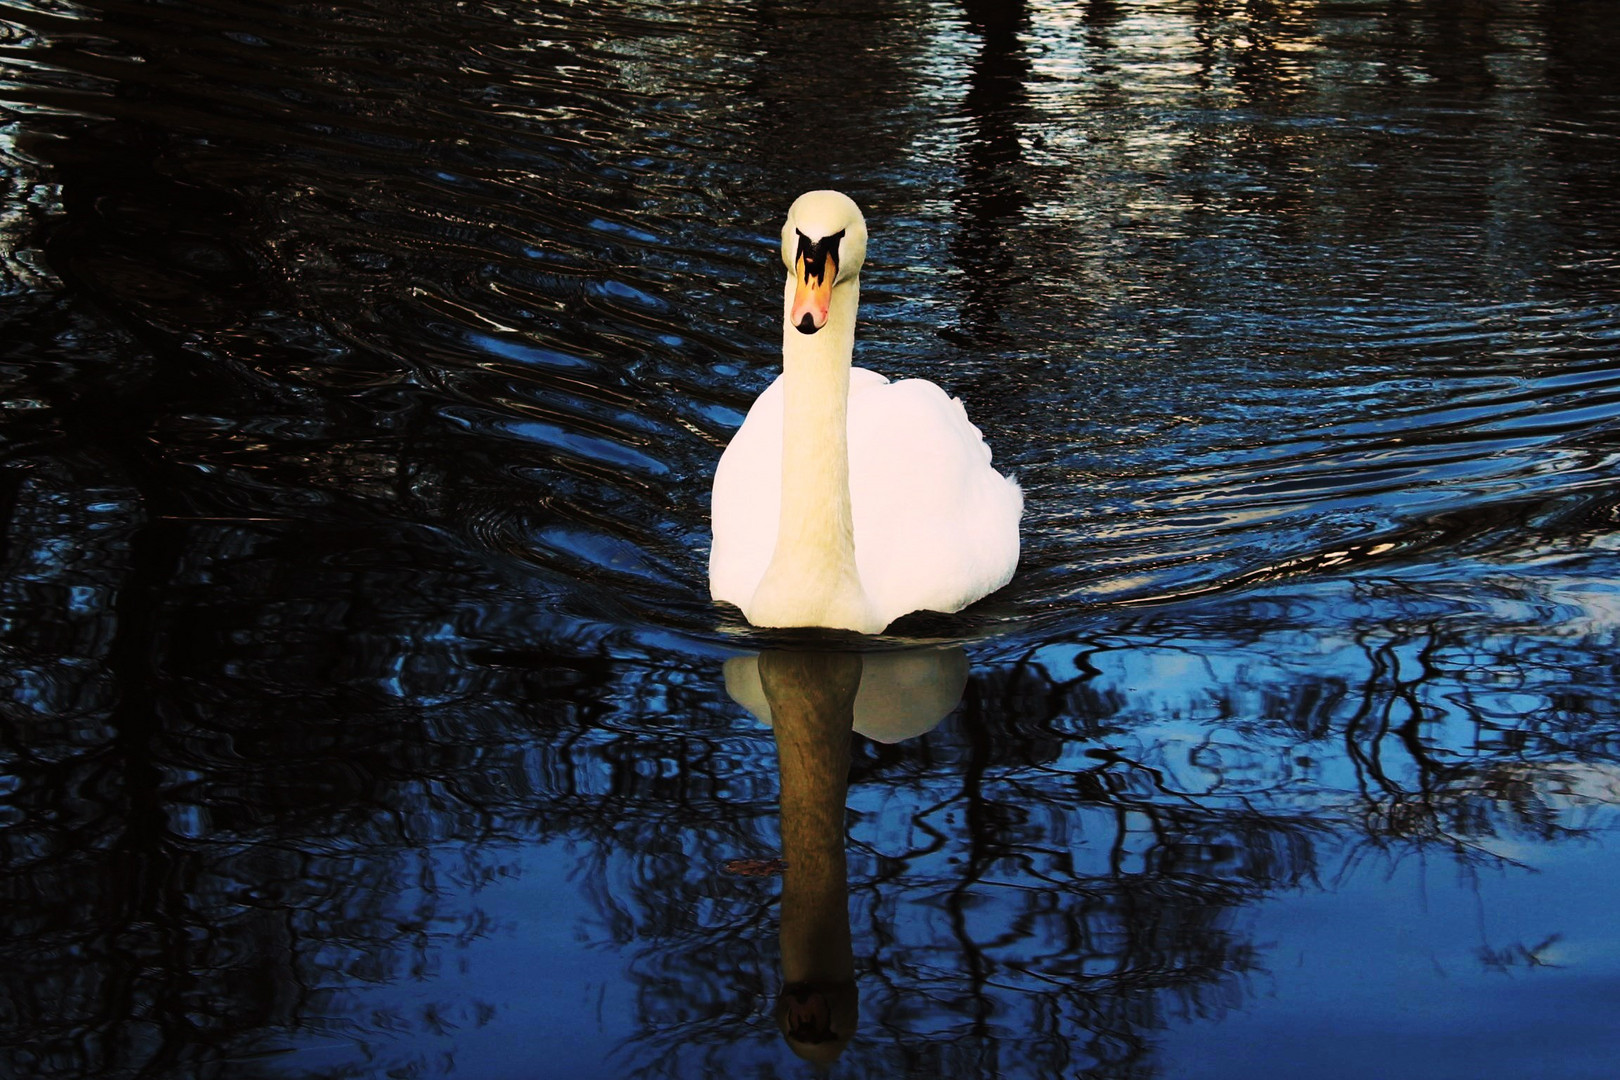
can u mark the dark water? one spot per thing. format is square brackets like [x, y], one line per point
[362, 711]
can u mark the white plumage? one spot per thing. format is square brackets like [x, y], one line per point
[915, 519]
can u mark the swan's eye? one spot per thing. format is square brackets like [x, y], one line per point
[815, 254]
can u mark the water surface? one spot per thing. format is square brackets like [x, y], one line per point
[362, 710]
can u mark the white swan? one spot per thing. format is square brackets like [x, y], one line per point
[846, 500]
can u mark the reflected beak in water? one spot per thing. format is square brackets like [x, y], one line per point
[815, 267]
[808, 1016]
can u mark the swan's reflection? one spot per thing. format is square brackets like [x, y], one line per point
[813, 701]
[901, 694]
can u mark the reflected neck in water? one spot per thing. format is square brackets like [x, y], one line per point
[812, 699]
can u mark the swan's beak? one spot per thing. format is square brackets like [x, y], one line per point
[812, 292]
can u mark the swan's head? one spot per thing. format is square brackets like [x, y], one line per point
[823, 243]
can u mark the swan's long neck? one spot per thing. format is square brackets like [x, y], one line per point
[812, 578]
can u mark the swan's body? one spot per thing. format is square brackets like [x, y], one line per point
[846, 500]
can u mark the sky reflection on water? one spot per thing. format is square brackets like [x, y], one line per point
[362, 712]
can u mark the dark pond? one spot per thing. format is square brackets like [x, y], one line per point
[362, 709]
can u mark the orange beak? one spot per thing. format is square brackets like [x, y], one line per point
[812, 293]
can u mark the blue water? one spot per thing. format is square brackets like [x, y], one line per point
[362, 709]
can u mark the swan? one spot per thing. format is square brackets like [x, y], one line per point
[845, 500]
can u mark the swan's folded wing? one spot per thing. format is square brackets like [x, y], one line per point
[936, 527]
[746, 501]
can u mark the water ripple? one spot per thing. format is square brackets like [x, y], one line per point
[1179, 306]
